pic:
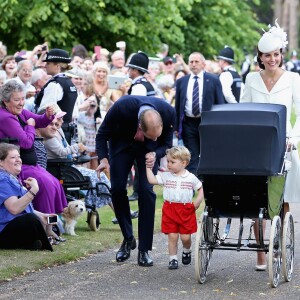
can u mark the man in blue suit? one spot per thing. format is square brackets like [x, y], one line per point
[137, 128]
[195, 93]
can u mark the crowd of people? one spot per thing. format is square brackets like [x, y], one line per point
[134, 126]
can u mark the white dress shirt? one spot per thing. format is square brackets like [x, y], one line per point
[138, 89]
[226, 82]
[189, 94]
[52, 93]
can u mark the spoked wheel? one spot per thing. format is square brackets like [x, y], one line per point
[275, 252]
[288, 247]
[203, 250]
[93, 220]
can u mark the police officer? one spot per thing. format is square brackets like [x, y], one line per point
[137, 67]
[59, 89]
[293, 64]
[230, 79]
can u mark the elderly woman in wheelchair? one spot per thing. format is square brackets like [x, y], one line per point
[63, 160]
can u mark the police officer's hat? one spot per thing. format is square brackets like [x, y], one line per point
[57, 55]
[226, 54]
[139, 61]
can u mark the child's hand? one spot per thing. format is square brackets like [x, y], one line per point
[150, 159]
[196, 205]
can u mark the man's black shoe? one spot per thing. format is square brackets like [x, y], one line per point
[133, 197]
[144, 259]
[124, 251]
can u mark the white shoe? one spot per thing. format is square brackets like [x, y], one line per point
[261, 267]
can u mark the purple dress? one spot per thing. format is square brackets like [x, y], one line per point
[51, 197]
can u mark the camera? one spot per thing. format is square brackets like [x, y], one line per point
[44, 48]
[52, 219]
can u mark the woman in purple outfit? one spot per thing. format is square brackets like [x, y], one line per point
[20, 123]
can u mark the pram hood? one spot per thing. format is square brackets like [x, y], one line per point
[242, 139]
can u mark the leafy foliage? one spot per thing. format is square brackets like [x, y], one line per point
[214, 24]
[185, 25]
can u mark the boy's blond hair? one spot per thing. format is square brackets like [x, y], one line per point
[179, 152]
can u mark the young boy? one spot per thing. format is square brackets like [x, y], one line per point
[178, 212]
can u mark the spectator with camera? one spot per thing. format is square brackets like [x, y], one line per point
[90, 123]
[21, 226]
[118, 61]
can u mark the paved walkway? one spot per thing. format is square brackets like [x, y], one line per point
[231, 276]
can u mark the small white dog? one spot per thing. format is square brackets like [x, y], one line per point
[70, 215]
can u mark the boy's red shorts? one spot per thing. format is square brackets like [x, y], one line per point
[178, 218]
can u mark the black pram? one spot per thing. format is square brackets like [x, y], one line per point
[241, 164]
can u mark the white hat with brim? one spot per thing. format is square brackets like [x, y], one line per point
[268, 43]
[273, 39]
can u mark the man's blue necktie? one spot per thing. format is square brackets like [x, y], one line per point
[195, 102]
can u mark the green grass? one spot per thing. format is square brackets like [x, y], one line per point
[19, 262]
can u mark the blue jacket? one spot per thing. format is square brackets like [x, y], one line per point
[212, 94]
[121, 122]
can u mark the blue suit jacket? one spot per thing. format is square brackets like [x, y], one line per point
[121, 122]
[212, 94]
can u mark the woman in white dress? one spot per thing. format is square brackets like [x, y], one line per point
[272, 84]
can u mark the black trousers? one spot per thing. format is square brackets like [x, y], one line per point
[191, 140]
[135, 185]
[120, 166]
[22, 232]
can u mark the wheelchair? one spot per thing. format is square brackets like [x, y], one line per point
[74, 183]
[242, 167]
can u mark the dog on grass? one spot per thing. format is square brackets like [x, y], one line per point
[71, 213]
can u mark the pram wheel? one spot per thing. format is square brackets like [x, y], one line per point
[93, 220]
[288, 247]
[275, 252]
[203, 251]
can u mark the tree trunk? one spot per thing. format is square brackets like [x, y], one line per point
[293, 24]
[285, 16]
[278, 9]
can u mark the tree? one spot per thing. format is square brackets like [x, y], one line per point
[185, 25]
[212, 24]
[64, 23]
[287, 12]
